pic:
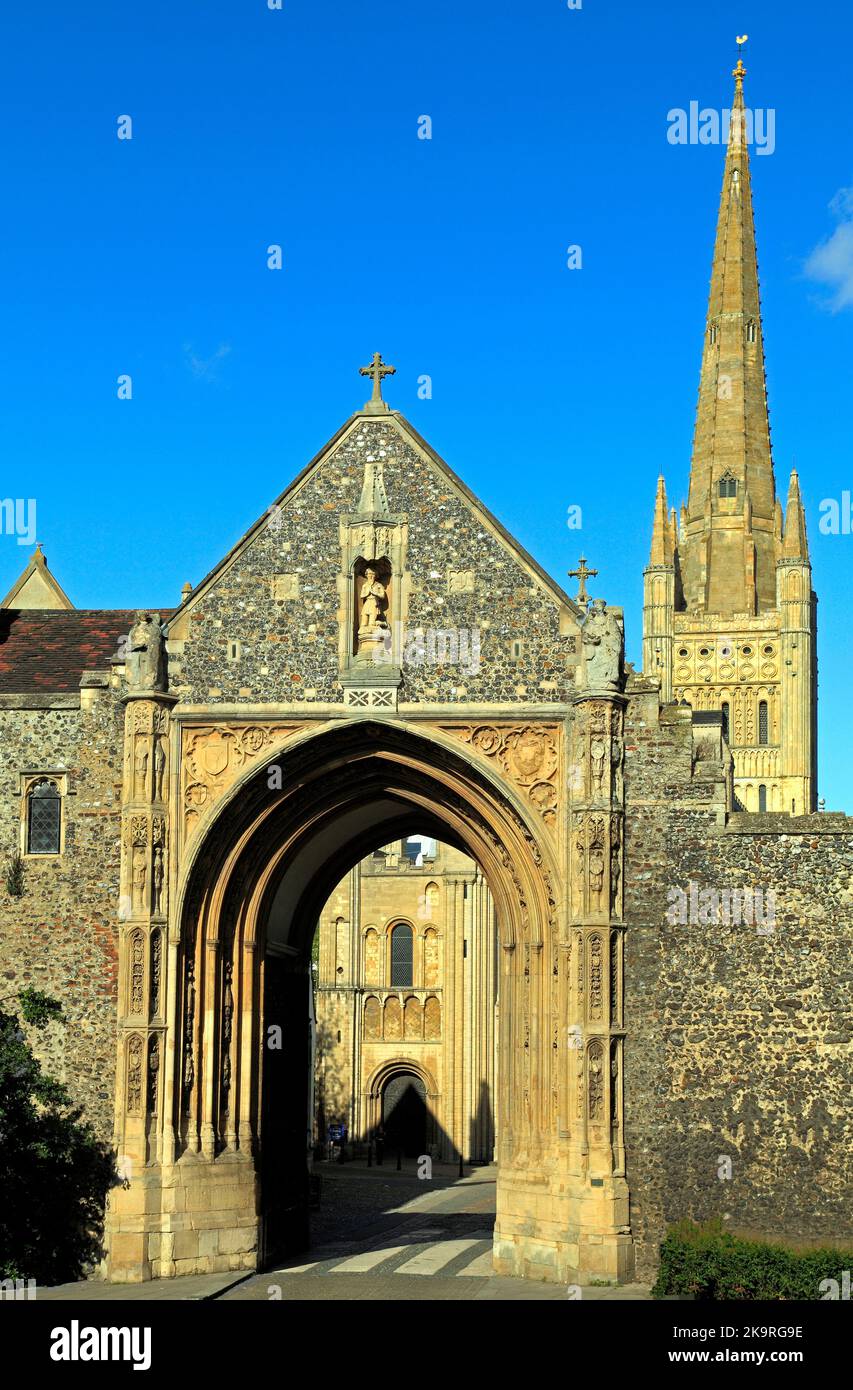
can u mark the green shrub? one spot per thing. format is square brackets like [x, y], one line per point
[706, 1261]
[54, 1174]
[15, 877]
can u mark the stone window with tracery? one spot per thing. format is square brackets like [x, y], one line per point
[43, 820]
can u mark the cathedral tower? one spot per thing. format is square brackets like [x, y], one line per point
[729, 613]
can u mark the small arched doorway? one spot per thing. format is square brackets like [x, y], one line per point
[405, 1117]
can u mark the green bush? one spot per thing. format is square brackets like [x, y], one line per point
[15, 877]
[54, 1174]
[706, 1261]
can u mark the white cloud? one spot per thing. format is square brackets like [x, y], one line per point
[204, 369]
[831, 262]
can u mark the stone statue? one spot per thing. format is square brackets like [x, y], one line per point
[159, 768]
[602, 646]
[596, 873]
[140, 878]
[597, 751]
[141, 767]
[146, 652]
[374, 601]
[158, 880]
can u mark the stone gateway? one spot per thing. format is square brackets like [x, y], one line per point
[188, 786]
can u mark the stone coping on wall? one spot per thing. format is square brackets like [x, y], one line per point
[46, 701]
[778, 823]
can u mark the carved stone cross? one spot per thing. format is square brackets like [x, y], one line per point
[582, 574]
[377, 370]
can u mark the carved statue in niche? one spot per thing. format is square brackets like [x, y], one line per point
[602, 646]
[140, 877]
[615, 866]
[157, 902]
[146, 653]
[372, 629]
[140, 764]
[159, 768]
[597, 751]
[374, 601]
[596, 874]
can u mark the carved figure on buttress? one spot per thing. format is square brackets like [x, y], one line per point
[602, 645]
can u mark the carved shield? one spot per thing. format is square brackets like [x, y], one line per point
[214, 755]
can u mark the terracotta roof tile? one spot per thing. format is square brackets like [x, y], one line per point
[46, 650]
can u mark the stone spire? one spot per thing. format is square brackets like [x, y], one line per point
[729, 552]
[795, 544]
[663, 530]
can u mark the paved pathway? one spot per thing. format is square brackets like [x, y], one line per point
[381, 1234]
[435, 1245]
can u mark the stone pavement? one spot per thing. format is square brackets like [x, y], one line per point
[380, 1234]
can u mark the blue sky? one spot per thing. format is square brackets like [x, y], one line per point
[551, 387]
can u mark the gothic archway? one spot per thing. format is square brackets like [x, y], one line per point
[226, 1130]
[249, 897]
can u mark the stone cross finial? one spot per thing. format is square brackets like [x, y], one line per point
[582, 574]
[377, 370]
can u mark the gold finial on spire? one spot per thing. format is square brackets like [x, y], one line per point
[739, 73]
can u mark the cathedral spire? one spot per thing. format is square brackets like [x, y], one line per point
[731, 443]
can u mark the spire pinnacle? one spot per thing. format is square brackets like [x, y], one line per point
[795, 544]
[662, 530]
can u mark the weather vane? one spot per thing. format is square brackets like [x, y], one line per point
[740, 70]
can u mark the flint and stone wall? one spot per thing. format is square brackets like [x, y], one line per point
[738, 1032]
[61, 936]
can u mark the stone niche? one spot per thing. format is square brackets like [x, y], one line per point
[372, 608]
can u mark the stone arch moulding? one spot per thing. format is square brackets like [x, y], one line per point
[393, 1067]
[242, 916]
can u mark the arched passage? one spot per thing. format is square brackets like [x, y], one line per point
[236, 1096]
[221, 1146]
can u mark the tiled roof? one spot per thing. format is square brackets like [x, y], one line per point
[46, 650]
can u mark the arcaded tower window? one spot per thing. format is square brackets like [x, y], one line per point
[402, 957]
[762, 798]
[763, 735]
[44, 818]
[726, 719]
